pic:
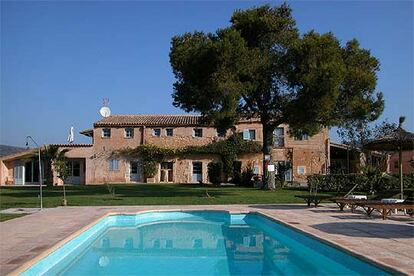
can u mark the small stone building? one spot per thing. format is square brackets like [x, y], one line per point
[95, 163]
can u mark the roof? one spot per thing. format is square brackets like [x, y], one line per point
[9, 150]
[154, 120]
[398, 139]
[348, 147]
[341, 146]
[87, 132]
[26, 153]
[72, 145]
[150, 120]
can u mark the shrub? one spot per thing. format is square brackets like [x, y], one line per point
[371, 181]
[215, 171]
[246, 177]
[237, 173]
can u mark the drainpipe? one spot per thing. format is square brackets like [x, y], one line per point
[328, 155]
[142, 135]
[401, 172]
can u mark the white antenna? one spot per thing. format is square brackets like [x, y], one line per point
[71, 136]
[105, 111]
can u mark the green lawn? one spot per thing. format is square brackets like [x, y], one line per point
[145, 194]
[4, 217]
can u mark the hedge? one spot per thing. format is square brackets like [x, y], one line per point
[345, 182]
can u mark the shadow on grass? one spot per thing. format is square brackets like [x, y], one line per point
[127, 191]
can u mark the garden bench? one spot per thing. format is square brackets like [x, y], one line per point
[315, 199]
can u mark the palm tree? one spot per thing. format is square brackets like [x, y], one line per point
[49, 155]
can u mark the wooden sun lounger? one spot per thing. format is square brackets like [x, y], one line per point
[351, 202]
[385, 209]
[315, 199]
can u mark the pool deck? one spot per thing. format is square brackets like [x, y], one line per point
[389, 242]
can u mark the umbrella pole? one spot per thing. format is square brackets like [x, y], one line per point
[401, 172]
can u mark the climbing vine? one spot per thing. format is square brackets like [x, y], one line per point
[227, 149]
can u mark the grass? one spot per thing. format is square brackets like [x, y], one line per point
[145, 194]
[4, 217]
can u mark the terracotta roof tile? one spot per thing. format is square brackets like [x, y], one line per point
[72, 145]
[152, 120]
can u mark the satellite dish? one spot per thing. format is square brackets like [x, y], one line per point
[105, 111]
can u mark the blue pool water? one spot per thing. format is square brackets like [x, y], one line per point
[197, 243]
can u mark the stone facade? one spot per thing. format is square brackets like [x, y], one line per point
[96, 164]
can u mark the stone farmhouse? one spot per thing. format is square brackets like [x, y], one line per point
[94, 163]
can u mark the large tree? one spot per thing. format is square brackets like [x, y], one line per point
[358, 132]
[260, 66]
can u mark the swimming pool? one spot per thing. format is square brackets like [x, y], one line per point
[197, 243]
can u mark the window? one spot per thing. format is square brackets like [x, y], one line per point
[106, 132]
[197, 171]
[156, 243]
[198, 243]
[167, 174]
[129, 132]
[73, 168]
[256, 169]
[301, 137]
[156, 132]
[301, 170]
[129, 243]
[76, 168]
[249, 134]
[284, 168]
[113, 165]
[221, 133]
[198, 132]
[169, 132]
[252, 242]
[168, 244]
[279, 137]
[288, 175]
[134, 167]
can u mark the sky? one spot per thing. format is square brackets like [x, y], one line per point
[59, 59]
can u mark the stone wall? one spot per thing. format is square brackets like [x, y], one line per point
[6, 172]
[182, 137]
[310, 155]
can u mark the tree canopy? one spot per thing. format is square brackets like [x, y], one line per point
[358, 132]
[260, 66]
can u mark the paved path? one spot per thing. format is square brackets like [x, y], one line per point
[389, 242]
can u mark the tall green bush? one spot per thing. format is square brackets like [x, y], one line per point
[215, 172]
[246, 177]
[237, 172]
[369, 182]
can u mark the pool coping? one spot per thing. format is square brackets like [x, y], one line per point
[336, 245]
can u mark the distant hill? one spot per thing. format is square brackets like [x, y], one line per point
[7, 150]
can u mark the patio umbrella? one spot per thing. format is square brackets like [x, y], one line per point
[399, 140]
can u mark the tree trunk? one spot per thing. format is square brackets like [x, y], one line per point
[49, 174]
[268, 181]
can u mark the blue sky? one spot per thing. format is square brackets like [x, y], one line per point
[59, 59]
